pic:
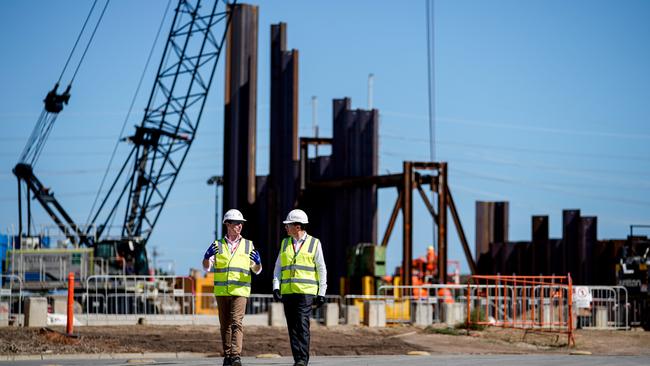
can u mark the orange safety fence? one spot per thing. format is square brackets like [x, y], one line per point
[539, 303]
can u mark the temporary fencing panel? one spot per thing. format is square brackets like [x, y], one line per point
[540, 303]
[601, 307]
[11, 296]
[139, 295]
[402, 299]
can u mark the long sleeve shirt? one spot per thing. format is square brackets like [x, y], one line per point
[232, 246]
[319, 261]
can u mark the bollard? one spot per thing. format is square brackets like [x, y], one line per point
[276, 315]
[352, 315]
[69, 324]
[601, 317]
[4, 314]
[422, 314]
[453, 314]
[35, 312]
[331, 312]
[374, 313]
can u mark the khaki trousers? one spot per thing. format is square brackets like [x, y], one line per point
[231, 314]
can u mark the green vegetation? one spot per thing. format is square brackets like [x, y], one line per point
[476, 315]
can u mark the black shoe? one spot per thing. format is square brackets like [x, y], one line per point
[300, 363]
[227, 361]
[236, 361]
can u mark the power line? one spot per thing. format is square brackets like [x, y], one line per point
[517, 148]
[554, 188]
[477, 123]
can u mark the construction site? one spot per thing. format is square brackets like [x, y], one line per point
[100, 286]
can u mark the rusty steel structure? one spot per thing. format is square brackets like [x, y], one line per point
[338, 191]
[578, 252]
[240, 113]
[406, 182]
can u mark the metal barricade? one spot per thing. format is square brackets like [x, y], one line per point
[606, 308]
[139, 295]
[11, 299]
[258, 303]
[401, 300]
[541, 303]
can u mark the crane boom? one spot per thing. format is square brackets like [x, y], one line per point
[161, 142]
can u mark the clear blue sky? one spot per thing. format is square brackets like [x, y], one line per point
[541, 103]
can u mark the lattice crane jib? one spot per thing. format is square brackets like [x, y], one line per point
[161, 142]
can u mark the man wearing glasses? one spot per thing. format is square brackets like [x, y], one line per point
[231, 259]
[299, 281]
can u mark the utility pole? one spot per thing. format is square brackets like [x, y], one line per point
[217, 180]
[314, 118]
[371, 90]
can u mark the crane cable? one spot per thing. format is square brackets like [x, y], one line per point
[128, 114]
[36, 141]
[92, 36]
[77, 41]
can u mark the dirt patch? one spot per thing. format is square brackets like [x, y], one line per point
[341, 340]
[203, 339]
[510, 341]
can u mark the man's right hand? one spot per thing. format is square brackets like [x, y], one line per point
[276, 295]
[212, 250]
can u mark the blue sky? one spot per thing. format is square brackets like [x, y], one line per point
[541, 103]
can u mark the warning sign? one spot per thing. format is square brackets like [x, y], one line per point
[581, 296]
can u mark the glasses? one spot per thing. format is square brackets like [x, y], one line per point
[235, 222]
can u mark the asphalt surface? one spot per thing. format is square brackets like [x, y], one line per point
[451, 360]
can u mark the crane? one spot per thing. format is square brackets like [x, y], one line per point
[159, 145]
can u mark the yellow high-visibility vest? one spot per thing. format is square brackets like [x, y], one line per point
[299, 274]
[232, 273]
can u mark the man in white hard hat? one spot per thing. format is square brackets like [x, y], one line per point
[299, 281]
[231, 259]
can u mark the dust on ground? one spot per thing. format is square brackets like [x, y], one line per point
[339, 341]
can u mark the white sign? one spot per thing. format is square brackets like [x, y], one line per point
[179, 292]
[581, 296]
[60, 319]
[5, 292]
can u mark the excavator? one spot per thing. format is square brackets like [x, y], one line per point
[158, 146]
[633, 274]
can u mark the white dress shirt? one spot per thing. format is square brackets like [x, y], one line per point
[319, 261]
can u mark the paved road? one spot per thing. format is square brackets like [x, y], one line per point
[464, 360]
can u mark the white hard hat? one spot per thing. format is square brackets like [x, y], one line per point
[233, 215]
[296, 216]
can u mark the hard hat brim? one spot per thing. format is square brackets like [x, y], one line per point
[294, 222]
[224, 220]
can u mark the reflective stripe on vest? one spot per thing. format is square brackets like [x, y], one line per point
[232, 274]
[299, 274]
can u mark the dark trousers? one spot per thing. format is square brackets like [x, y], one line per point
[297, 309]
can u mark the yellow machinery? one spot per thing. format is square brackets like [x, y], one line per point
[398, 308]
[206, 304]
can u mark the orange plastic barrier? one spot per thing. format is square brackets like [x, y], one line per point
[539, 303]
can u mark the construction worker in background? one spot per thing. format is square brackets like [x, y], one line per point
[299, 281]
[231, 259]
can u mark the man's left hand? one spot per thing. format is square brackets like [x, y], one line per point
[255, 257]
[319, 301]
